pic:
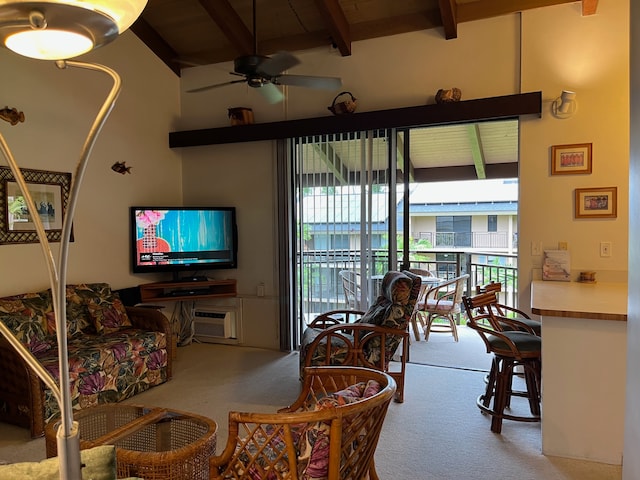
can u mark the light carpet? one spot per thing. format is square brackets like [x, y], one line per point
[437, 433]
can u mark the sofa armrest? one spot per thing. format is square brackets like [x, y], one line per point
[153, 320]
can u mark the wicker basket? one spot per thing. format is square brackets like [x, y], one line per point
[152, 443]
[345, 107]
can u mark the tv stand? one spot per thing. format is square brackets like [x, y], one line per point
[191, 278]
[187, 290]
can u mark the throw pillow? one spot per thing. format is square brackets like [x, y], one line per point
[99, 464]
[109, 315]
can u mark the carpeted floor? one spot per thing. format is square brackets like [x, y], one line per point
[437, 433]
[469, 353]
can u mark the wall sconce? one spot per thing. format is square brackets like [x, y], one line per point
[565, 105]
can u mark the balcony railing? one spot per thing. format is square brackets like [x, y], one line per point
[475, 240]
[321, 289]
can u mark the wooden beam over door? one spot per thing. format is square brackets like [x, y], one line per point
[495, 108]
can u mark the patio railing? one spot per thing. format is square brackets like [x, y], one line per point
[321, 289]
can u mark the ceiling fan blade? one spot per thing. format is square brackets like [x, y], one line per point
[325, 83]
[209, 87]
[277, 63]
[271, 93]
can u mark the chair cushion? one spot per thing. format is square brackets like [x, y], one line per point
[524, 341]
[444, 306]
[534, 324]
[313, 463]
[339, 348]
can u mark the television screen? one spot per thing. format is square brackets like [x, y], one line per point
[173, 239]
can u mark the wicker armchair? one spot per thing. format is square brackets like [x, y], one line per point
[326, 433]
[366, 339]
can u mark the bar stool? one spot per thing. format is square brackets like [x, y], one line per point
[510, 349]
[503, 310]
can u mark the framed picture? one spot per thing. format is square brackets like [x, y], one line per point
[596, 202]
[571, 159]
[50, 193]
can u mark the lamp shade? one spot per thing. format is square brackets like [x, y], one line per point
[59, 30]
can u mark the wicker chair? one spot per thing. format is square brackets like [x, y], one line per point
[442, 301]
[366, 339]
[351, 287]
[321, 435]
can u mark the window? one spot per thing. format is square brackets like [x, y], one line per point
[453, 231]
[492, 223]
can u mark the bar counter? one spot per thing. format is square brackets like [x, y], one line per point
[584, 345]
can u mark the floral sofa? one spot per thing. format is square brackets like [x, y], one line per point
[367, 339]
[114, 352]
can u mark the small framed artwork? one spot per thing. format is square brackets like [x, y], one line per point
[571, 159]
[596, 202]
[50, 192]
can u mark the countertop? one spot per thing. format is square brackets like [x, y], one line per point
[598, 301]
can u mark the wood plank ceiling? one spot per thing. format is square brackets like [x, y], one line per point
[184, 33]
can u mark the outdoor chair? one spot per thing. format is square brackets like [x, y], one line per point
[351, 288]
[366, 339]
[441, 301]
[510, 348]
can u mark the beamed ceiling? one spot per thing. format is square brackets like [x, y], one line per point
[188, 33]
[184, 33]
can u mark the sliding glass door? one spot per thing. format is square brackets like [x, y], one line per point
[345, 216]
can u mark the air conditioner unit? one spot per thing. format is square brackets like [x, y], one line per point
[214, 325]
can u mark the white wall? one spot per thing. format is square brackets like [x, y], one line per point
[59, 106]
[563, 50]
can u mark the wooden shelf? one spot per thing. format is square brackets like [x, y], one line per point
[475, 110]
[177, 291]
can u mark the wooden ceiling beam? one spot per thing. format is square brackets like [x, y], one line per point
[448, 12]
[156, 44]
[477, 151]
[337, 25]
[589, 7]
[471, 11]
[231, 25]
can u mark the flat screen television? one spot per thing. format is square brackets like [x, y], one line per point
[183, 239]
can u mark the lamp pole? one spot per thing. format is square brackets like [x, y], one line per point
[68, 439]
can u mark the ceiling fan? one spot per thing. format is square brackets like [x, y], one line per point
[264, 73]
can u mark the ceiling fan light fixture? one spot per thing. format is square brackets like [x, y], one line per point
[63, 29]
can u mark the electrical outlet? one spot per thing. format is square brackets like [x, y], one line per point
[605, 249]
[563, 246]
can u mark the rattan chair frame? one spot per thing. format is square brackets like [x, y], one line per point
[264, 442]
[355, 337]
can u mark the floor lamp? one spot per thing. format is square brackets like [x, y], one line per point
[58, 31]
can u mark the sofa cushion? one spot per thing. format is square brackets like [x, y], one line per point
[108, 315]
[27, 308]
[108, 368]
[90, 306]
